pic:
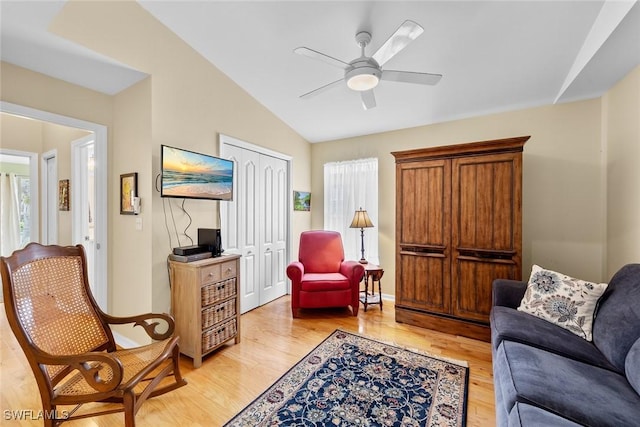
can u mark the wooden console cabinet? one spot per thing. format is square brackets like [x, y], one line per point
[205, 304]
[458, 227]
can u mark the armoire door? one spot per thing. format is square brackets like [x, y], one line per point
[422, 225]
[486, 229]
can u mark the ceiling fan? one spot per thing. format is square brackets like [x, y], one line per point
[364, 73]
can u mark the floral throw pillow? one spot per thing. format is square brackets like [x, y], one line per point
[567, 302]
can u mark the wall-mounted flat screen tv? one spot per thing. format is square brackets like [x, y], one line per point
[190, 175]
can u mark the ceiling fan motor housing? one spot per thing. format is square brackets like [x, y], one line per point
[363, 74]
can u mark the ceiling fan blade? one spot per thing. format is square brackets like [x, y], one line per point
[368, 99]
[321, 89]
[405, 34]
[411, 77]
[314, 54]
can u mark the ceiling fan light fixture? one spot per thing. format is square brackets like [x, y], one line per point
[363, 78]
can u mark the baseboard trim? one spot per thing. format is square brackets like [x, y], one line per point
[123, 341]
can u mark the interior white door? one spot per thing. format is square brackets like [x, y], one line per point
[50, 198]
[256, 223]
[240, 224]
[273, 239]
[84, 201]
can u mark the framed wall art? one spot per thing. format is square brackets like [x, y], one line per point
[128, 190]
[301, 201]
[63, 195]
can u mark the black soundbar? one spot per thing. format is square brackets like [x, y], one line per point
[190, 250]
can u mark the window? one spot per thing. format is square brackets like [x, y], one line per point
[15, 202]
[349, 186]
[24, 203]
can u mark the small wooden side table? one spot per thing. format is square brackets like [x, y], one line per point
[373, 272]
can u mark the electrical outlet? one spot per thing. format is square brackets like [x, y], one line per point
[139, 223]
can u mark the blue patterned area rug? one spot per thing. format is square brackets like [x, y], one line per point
[350, 380]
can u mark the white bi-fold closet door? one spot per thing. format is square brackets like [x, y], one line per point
[256, 223]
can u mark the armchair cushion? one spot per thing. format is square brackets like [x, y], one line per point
[321, 251]
[315, 282]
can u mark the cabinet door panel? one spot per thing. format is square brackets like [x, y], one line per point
[423, 282]
[486, 202]
[471, 286]
[423, 203]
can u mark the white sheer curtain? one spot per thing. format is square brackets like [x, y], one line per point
[9, 214]
[348, 186]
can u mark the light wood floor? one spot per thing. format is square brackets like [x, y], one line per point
[272, 342]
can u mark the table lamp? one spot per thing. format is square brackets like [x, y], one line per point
[361, 220]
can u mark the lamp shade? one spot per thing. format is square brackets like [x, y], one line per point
[361, 220]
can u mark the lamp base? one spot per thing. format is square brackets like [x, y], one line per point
[363, 261]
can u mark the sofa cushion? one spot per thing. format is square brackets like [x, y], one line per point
[565, 301]
[617, 324]
[523, 414]
[580, 392]
[632, 366]
[510, 324]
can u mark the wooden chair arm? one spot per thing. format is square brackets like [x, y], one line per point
[90, 372]
[149, 327]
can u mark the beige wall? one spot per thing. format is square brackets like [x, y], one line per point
[621, 113]
[563, 195]
[34, 136]
[18, 133]
[187, 103]
[132, 289]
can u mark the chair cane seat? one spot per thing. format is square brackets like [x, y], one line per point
[133, 361]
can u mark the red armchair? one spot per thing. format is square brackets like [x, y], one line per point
[321, 277]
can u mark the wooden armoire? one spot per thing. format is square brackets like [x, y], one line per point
[458, 227]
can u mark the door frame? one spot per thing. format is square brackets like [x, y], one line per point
[225, 140]
[100, 132]
[49, 207]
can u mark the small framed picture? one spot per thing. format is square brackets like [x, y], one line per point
[128, 190]
[63, 195]
[301, 201]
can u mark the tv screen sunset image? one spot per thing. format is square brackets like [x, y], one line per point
[193, 175]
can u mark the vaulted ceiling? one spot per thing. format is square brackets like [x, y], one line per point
[494, 55]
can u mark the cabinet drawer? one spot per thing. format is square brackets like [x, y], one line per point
[218, 334]
[218, 312]
[210, 274]
[218, 291]
[228, 269]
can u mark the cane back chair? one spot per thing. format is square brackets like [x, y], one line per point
[68, 342]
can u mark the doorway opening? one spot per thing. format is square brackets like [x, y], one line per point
[99, 250]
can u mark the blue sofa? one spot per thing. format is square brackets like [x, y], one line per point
[545, 375]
